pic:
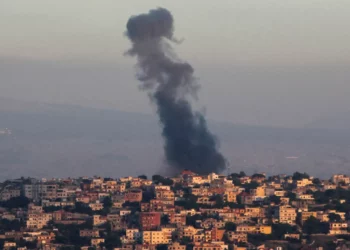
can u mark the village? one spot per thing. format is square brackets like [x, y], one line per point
[185, 212]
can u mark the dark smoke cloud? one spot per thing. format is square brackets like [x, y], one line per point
[170, 83]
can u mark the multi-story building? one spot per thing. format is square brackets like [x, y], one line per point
[340, 178]
[154, 237]
[37, 220]
[230, 196]
[40, 190]
[97, 241]
[306, 215]
[176, 246]
[134, 195]
[99, 220]
[237, 237]
[178, 219]
[91, 233]
[207, 246]
[338, 228]
[150, 220]
[9, 193]
[164, 194]
[286, 214]
[254, 229]
[96, 206]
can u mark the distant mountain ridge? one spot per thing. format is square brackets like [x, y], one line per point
[70, 140]
[74, 120]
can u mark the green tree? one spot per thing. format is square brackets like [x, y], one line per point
[165, 219]
[251, 185]
[316, 181]
[144, 177]
[107, 202]
[292, 196]
[191, 220]
[161, 247]
[50, 209]
[16, 202]
[315, 226]
[299, 176]
[280, 229]
[82, 208]
[219, 201]
[334, 217]
[275, 199]
[230, 226]
[9, 225]
[112, 240]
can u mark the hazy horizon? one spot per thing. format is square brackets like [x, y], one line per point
[259, 63]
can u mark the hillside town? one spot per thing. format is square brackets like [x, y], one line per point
[186, 212]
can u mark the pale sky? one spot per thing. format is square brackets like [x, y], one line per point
[265, 62]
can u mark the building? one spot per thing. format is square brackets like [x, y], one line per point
[176, 246]
[237, 237]
[134, 195]
[90, 233]
[254, 229]
[178, 219]
[165, 194]
[207, 246]
[96, 206]
[338, 228]
[99, 220]
[340, 178]
[37, 220]
[154, 237]
[150, 220]
[97, 241]
[286, 214]
[306, 215]
[38, 191]
[7, 194]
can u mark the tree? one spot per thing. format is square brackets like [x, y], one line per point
[230, 226]
[143, 177]
[316, 181]
[16, 202]
[191, 220]
[280, 229]
[9, 225]
[112, 240]
[147, 195]
[275, 199]
[161, 247]
[292, 196]
[334, 217]
[251, 185]
[315, 226]
[237, 175]
[299, 176]
[190, 202]
[82, 208]
[219, 202]
[165, 219]
[258, 176]
[236, 181]
[185, 240]
[50, 209]
[107, 202]
[158, 179]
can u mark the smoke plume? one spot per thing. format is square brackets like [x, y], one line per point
[170, 84]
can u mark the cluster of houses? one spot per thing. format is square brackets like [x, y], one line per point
[189, 211]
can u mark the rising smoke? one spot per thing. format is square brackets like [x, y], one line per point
[170, 83]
